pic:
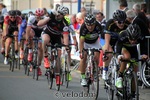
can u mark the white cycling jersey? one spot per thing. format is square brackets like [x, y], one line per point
[33, 23]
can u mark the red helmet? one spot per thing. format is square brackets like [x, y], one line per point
[39, 12]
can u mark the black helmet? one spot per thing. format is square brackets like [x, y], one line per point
[1, 19]
[89, 19]
[119, 15]
[133, 31]
[18, 12]
[12, 13]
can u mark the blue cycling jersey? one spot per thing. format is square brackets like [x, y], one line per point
[22, 29]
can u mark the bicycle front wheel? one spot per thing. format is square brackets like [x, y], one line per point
[95, 83]
[132, 83]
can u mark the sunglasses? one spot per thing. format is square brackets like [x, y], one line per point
[12, 17]
[120, 22]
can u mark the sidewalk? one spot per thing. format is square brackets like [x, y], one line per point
[144, 93]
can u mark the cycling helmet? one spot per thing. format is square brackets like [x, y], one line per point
[119, 15]
[1, 19]
[62, 10]
[18, 12]
[39, 12]
[133, 31]
[12, 13]
[89, 19]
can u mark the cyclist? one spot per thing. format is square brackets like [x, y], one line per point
[11, 26]
[22, 35]
[56, 26]
[35, 31]
[1, 34]
[89, 38]
[113, 27]
[127, 46]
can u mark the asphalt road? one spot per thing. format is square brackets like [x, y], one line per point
[17, 86]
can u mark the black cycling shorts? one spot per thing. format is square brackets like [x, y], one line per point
[133, 52]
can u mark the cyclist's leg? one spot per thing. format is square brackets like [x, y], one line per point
[134, 54]
[7, 49]
[15, 33]
[106, 63]
[45, 40]
[82, 66]
[126, 55]
[30, 46]
[2, 44]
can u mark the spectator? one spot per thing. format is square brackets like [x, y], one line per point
[76, 26]
[80, 18]
[46, 14]
[83, 11]
[3, 9]
[123, 5]
[132, 18]
[144, 8]
[101, 19]
[136, 8]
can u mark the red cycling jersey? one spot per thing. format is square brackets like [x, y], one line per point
[7, 20]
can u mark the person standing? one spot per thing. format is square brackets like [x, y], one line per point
[3, 9]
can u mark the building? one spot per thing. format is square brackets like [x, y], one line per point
[105, 6]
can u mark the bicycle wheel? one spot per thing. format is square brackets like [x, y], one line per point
[12, 57]
[110, 83]
[129, 81]
[59, 73]
[25, 60]
[50, 77]
[145, 75]
[95, 82]
[110, 87]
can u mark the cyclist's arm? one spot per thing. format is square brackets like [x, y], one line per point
[43, 21]
[107, 40]
[81, 39]
[5, 29]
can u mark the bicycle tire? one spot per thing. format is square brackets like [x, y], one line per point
[50, 77]
[109, 89]
[111, 81]
[37, 75]
[25, 59]
[13, 56]
[19, 63]
[57, 86]
[145, 70]
[67, 72]
[96, 80]
[128, 88]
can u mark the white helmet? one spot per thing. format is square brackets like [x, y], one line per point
[62, 10]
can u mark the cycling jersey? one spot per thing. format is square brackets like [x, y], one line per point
[12, 25]
[113, 30]
[33, 23]
[55, 29]
[90, 37]
[123, 42]
[22, 29]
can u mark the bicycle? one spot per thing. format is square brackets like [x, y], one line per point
[129, 77]
[35, 56]
[91, 72]
[65, 65]
[12, 59]
[55, 61]
[112, 75]
[33, 64]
